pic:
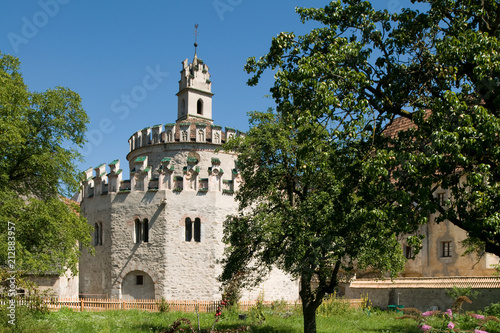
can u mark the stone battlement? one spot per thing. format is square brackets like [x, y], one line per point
[192, 130]
[171, 175]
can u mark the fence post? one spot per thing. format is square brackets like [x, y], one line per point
[82, 307]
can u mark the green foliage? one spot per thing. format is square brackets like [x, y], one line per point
[366, 304]
[363, 68]
[333, 305]
[39, 132]
[132, 321]
[257, 311]
[163, 305]
[325, 184]
[456, 292]
[493, 309]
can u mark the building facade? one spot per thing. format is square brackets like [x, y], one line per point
[441, 264]
[159, 234]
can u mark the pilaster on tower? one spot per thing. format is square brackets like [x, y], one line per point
[195, 91]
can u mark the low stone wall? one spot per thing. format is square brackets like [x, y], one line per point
[421, 298]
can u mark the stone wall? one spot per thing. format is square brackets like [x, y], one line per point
[168, 265]
[423, 298]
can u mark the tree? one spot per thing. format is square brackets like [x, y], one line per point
[303, 209]
[337, 90]
[40, 230]
[437, 66]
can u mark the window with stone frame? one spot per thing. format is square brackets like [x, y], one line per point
[192, 230]
[441, 198]
[446, 249]
[408, 252]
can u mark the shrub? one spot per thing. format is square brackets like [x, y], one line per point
[333, 305]
[493, 309]
[456, 292]
[163, 305]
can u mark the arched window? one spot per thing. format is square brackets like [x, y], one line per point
[145, 230]
[197, 230]
[184, 136]
[189, 229]
[169, 136]
[201, 135]
[97, 233]
[141, 231]
[199, 107]
[138, 231]
[183, 106]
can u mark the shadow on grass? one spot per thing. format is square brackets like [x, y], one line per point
[220, 327]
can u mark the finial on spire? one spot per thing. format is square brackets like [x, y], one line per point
[195, 37]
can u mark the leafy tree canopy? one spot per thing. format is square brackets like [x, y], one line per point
[326, 185]
[37, 169]
[437, 67]
[304, 210]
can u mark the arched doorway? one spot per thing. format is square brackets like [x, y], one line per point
[138, 285]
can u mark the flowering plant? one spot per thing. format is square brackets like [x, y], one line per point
[449, 321]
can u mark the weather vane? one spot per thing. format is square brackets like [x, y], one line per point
[196, 33]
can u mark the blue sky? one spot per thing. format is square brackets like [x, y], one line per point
[103, 50]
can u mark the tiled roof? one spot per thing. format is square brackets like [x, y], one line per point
[429, 282]
[398, 125]
[401, 124]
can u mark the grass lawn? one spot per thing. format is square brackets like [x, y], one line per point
[139, 321]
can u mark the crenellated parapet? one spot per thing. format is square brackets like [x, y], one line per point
[182, 132]
[114, 176]
[202, 173]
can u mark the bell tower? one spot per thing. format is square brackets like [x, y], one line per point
[195, 89]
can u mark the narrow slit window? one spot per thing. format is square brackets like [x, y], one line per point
[189, 229]
[139, 280]
[97, 233]
[145, 230]
[197, 230]
[199, 107]
[138, 231]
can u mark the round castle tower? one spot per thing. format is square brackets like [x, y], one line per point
[159, 234]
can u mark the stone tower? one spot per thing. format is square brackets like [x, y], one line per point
[159, 234]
